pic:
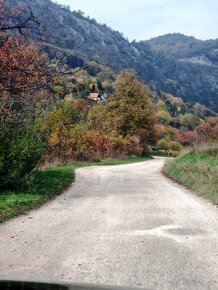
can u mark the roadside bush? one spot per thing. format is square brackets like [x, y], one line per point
[207, 137]
[172, 148]
[146, 150]
[156, 150]
[208, 130]
[19, 155]
[76, 143]
[189, 138]
[163, 143]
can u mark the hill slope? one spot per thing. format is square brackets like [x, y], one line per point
[180, 65]
[189, 67]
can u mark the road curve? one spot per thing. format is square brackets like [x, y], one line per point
[123, 225]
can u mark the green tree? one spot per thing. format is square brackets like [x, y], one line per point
[163, 116]
[190, 121]
[171, 147]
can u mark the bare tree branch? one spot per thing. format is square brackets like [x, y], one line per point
[27, 23]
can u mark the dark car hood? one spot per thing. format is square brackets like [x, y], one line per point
[20, 285]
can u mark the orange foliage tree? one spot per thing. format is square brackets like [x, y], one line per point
[24, 80]
[23, 70]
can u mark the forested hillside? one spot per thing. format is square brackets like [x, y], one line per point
[190, 67]
[180, 65]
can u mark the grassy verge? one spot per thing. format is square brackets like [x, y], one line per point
[198, 171]
[46, 184]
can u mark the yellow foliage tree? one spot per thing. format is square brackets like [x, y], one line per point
[128, 112]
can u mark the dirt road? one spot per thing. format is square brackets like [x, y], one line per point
[121, 225]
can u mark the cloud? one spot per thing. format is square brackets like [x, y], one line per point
[143, 19]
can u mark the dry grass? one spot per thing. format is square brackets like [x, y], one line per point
[197, 170]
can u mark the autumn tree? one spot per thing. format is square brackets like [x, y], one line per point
[24, 73]
[163, 116]
[189, 138]
[189, 120]
[208, 130]
[23, 84]
[128, 111]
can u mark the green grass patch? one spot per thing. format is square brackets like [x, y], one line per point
[45, 184]
[198, 171]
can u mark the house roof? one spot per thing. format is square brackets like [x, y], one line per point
[94, 95]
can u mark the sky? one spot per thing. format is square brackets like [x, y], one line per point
[144, 19]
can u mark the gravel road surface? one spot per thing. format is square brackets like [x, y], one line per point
[123, 225]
